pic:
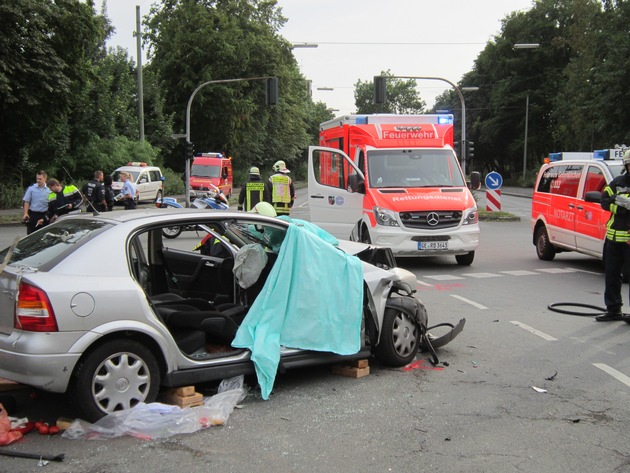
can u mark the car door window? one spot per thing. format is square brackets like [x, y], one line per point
[595, 180]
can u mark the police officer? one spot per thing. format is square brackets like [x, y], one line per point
[129, 191]
[253, 191]
[35, 202]
[616, 199]
[94, 193]
[281, 193]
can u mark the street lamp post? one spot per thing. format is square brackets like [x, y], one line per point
[192, 96]
[463, 105]
[525, 46]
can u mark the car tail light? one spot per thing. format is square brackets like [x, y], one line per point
[33, 311]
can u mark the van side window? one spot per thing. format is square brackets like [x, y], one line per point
[595, 180]
[561, 180]
[329, 169]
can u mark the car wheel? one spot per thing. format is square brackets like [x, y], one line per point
[465, 260]
[115, 376]
[399, 339]
[171, 232]
[544, 249]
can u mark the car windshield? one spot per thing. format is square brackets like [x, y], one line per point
[49, 245]
[202, 170]
[615, 169]
[116, 175]
[413, 168]
[270, 237]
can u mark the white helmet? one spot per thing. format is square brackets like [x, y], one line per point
[626, 158]
[264, 208]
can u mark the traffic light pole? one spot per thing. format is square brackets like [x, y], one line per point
[461, 99]
[270, 100]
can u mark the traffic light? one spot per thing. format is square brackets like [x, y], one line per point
[380, 89]
[190, 149]
[272, 91]
[470, 151]
[457, 146]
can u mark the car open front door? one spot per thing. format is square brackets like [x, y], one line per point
[335, 191]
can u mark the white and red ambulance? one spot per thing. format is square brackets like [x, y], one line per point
[393, 180]
[566, 210]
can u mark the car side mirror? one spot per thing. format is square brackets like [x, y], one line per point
[475, 181]
[356, 184]
[162, 178]
[593, 196]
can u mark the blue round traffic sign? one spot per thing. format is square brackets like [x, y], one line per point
[493, 180]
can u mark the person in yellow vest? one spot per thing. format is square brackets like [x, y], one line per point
[61, 201]
[253, 191]
[280, 189]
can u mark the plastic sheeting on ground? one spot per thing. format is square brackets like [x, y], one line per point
[157, 420]
[312, 300]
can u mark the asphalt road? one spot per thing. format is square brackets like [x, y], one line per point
[522, 389]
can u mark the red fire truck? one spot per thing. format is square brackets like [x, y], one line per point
[393, 180]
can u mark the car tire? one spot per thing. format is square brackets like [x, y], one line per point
[115, 376]
[544, 249]
[400, 337]
[172, 232]
[465, 260]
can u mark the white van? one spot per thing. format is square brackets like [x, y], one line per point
[148, 179]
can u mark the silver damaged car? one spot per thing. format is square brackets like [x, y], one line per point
[108, 310]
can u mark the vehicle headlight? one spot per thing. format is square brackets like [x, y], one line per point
[471, 216]
[385, 217]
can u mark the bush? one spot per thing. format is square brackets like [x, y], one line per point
[173, 182]
[11, 196]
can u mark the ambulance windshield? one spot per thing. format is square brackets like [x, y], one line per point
[205, 170]
[413, 168]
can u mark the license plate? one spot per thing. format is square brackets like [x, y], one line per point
[433, 245]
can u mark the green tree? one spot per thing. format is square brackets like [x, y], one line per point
[195, 41]
[402, 97]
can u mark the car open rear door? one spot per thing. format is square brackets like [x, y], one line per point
[335, 191]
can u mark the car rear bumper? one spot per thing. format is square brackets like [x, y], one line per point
[47, 372]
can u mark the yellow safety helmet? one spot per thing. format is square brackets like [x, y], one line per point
[264, 208]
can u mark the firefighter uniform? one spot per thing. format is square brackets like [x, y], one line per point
[617, 245]
[280, 189]
[62, 200]
[253, 191]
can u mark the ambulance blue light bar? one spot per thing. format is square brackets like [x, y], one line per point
[601, 154]
[555, 156]
[445, 119]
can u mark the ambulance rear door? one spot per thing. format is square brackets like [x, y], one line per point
[336, 191]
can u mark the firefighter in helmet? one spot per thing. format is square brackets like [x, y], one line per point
[280, 189]
[616, 199]
[253, 191]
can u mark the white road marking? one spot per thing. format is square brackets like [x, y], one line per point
[519, 273]
[534, 331]
[468, 301]
[557, 270]
[618, 375]
[422, 283]
[443, 277]
[482, 275]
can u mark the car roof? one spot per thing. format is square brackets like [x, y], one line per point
[137, 168]
[123, 216]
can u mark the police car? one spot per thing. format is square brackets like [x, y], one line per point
[566, 210]
[148, 179]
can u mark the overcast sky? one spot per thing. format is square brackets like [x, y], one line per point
[357, 39]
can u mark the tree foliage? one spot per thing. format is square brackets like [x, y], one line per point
[197, 41]
[402, 96]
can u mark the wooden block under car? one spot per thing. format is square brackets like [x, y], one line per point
[195, 399]
[356, 369]
[63, 423]
[184, 391]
